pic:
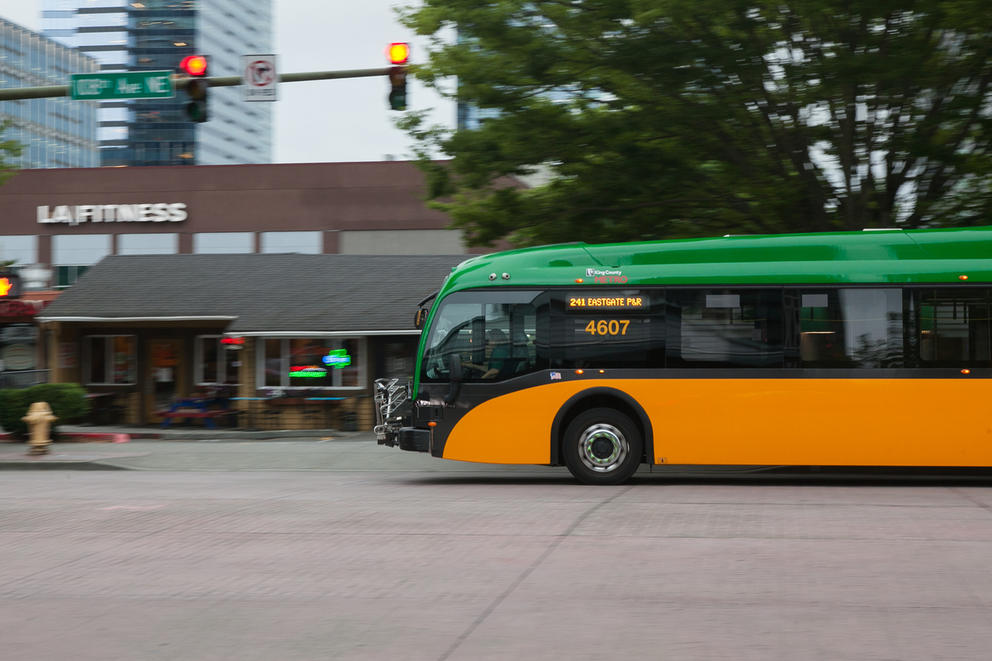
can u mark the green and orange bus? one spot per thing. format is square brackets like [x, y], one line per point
[865, 348]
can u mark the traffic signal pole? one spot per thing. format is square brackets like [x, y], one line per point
[180, 82]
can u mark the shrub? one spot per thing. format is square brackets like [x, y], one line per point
[12, 407]
[67, 401]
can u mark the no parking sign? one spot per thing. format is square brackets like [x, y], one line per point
[258, 77]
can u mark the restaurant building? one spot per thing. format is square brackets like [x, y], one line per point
[288, 341]
[338, 244]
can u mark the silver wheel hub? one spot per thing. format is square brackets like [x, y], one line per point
[603, 447]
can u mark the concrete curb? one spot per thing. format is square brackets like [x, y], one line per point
[57, 462]
[105, 437]
[113, 434]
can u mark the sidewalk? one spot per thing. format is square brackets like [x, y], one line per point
[88, 447]
[183, 432]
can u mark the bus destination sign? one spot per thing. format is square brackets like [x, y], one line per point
[618, 301]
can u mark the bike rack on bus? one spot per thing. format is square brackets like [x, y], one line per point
[390, 395]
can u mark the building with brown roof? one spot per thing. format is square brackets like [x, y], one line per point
[286, 335]
[65, 221]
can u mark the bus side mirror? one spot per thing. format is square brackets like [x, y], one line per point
[454, 367]
[419, 317]
[455, 375]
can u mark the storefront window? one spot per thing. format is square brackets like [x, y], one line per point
[21, 250]
[398, 359]
[79, 249]
[215, 362]
[65, 276]
[272, 360]
[348, 372]
[312, 362]
[110, 359]
[298, 242]
[147, 244]
[223, 243]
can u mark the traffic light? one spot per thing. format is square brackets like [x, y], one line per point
[399, 55]
[195, 66]
[10, 284]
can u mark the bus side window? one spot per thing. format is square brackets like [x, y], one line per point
[954, 328]
[523, 330]
[851, 327]
[726, 328]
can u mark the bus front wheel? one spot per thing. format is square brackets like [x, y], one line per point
[602, 446]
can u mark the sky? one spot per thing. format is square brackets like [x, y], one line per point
[329, 120]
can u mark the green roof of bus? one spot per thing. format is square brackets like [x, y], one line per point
[879, 256]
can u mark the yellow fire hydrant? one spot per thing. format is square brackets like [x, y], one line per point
[39, 419]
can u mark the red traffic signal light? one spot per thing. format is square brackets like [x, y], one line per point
[398, 52]
[194, 65]
[10, 284]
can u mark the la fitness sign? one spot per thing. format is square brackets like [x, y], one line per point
[159, 212]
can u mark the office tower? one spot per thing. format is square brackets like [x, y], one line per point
[54, 132]
[155, 35]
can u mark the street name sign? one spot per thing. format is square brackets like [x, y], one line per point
[123, 85]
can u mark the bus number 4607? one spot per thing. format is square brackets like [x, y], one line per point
[610, 327]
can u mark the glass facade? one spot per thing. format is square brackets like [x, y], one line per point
[54, 132]
[161, 33]
[156, 35]
[238, 131]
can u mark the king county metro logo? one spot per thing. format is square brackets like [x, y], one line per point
[607, 275]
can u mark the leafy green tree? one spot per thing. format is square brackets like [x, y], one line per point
[667, 118]
[8, 149]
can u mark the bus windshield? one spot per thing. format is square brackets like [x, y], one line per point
[493, 334]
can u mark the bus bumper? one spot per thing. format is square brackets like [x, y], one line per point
[415, 440]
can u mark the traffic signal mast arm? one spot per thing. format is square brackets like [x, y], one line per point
[229, 81]
[180, 82]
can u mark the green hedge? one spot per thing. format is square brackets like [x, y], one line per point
[67, 400]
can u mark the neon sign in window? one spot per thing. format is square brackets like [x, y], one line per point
[337, 358]
[310, 362]
[307, 371]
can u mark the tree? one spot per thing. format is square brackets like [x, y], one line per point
[8, 149]
[667, 118]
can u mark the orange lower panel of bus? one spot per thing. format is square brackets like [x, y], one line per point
[819, 422]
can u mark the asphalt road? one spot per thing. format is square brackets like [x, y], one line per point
[279, 551]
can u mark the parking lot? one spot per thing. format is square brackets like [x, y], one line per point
[346, 550]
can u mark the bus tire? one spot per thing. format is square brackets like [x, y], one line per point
[602, 446]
